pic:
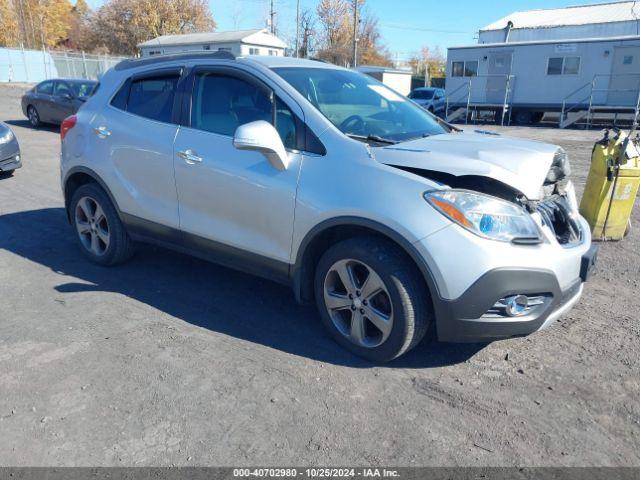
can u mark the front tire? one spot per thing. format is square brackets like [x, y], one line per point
[371, 298]
[99, 232]
[34, 116]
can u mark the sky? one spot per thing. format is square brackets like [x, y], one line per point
[406, 25]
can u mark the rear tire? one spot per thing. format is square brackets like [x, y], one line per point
[376, 326]
[98, 230]
[523, 117]
[34, 116]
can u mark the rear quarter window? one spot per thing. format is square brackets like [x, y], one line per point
[149, 97]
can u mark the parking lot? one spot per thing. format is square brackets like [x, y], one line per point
[168, 360]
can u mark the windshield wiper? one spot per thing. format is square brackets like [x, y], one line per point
[372, 138]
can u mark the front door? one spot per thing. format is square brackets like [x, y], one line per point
[499, 69]
[233, 200]
[62, 105]
[625, 77]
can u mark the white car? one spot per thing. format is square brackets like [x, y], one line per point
[321, 177]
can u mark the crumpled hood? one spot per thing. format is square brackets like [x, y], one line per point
[521, 164]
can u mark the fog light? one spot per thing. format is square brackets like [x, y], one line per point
[516, 305]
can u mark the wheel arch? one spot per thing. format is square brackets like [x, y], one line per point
[78, 176]
[331, 231]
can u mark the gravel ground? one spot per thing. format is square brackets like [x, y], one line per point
[171, 361]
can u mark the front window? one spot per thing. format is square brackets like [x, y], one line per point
[83, 89]
[222, 103]
[360, 106]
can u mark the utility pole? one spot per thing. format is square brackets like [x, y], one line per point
[297, 27]
[272, 15]
[355, 33]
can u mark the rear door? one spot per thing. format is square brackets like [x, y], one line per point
[229, 197]
[133, 139]
[625, 77]
[43, 100]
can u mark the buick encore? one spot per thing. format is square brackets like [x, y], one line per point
[394, 222]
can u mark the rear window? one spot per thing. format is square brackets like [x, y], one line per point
[153, 97]
[149, 97]
[45, 87]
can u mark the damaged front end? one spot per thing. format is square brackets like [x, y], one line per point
[557, 207]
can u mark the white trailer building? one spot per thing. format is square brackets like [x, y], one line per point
[579, 61]
[397, 79]
[239, 42]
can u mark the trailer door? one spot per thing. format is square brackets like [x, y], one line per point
[625, 77]
[499, 70]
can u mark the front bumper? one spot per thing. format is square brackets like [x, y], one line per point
[464, 319]
[473, 274]
[10, 161]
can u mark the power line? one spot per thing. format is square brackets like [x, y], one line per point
[421, 29]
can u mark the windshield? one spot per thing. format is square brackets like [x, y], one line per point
[422, 94]
[82, 89]
[361, 106]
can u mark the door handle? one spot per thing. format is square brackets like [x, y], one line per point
[190, 157]
[102, 132]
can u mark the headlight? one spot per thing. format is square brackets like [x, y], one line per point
[560, 167]
[6, 137]
[485, 216]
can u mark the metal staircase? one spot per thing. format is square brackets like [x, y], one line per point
[467, 99]
[590, 99]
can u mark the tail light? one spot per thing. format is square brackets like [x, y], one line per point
[67, 124]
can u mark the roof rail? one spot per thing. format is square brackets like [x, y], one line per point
[139, 62]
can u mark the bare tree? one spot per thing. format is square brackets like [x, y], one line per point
[307, 29]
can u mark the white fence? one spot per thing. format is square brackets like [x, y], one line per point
[19, 65]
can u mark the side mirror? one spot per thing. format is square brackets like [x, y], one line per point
[66, 96]
[262, 137]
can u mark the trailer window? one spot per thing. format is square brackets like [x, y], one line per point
[457, 69]
[471, 69]
[554, 66]
[563, 66]
[571, 65]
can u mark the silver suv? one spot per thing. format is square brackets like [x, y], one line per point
[320, 177]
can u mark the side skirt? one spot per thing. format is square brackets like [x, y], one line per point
[154, 233]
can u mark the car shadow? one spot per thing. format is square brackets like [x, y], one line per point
[200, 293]
[47, 127]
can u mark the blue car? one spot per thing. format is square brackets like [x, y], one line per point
[429, 98]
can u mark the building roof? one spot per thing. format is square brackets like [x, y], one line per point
[258, 36]
[577, 15]
[623, 38]
[376, 68]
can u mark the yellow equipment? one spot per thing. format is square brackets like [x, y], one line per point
[612, 186]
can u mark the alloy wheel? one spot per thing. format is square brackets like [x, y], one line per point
[358, 303]
[92, 226]
[34, 119]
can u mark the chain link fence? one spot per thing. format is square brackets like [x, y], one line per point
[31, 66]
